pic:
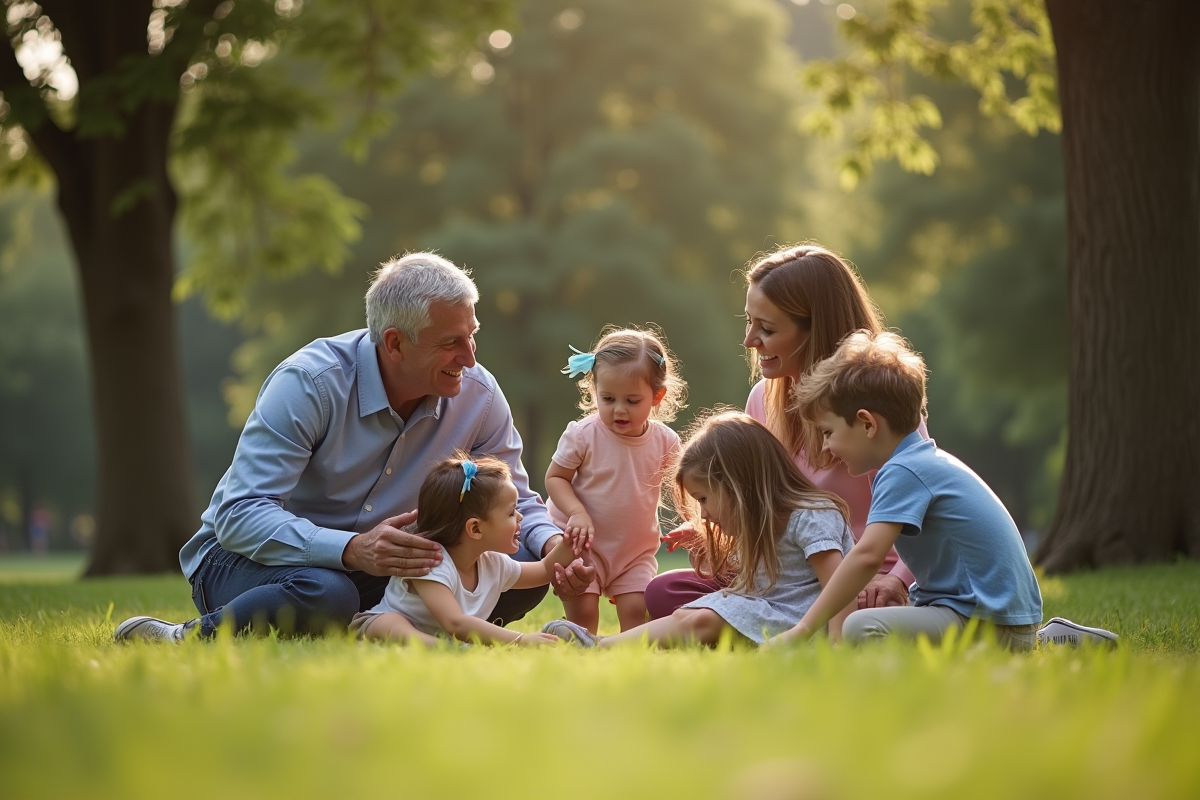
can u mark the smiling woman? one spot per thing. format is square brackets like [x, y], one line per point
[800, 302]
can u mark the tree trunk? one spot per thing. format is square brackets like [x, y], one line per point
[119, 208]
[1129, 78]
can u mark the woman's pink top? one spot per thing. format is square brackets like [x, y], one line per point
[838, 480]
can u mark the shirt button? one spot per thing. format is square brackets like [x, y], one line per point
[389, 470]
[368, 508]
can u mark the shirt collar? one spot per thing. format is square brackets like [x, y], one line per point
[372, 397]
[913, 439]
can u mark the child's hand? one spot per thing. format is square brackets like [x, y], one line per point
[580, 531]
[537, 640]
[682, 536]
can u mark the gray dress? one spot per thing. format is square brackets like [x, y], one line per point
[761, 615]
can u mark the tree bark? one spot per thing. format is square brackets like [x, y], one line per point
[1129, 81]
[119, 209]
[120, 214]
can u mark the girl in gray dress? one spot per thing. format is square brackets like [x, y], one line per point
[758, 515]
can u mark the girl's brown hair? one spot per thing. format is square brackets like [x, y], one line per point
[441, 515]
[758, 485]
[823, 294]
[638, 352]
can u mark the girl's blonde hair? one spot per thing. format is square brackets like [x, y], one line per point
[823, 294]
[443, 508]
[640, 352]
[758, 485]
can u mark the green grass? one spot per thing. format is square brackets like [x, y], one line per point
[81, 716]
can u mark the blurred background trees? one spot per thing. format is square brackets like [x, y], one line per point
[597, 162]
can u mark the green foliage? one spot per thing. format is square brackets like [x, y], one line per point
[246, 215]
[971, 264]
[244, 212]
[1008, 49]
[588, 175]
[333, 717]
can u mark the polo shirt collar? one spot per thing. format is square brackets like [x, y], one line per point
[912, 440]
[372, 397]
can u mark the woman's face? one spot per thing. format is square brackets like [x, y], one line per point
[777, 339]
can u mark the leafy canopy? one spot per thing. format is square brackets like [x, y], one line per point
[88, 67]
[1006, 53]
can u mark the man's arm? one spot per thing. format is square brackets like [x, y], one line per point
[288, 421]
[273, 451]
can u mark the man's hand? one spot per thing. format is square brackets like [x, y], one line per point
[573, 579]
[883, 591]
[387, 550]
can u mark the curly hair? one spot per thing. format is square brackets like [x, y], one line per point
[642, 352]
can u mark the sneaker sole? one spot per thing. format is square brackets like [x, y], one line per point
[127, 630]
[1095, 635]
[584, 638]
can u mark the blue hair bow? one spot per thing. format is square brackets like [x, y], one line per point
[579, 364]
[469, 472]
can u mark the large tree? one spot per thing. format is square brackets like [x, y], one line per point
[135, 106]
[1128, 78]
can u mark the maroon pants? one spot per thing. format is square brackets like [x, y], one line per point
[675, 589]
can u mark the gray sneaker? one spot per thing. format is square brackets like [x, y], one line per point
[149, 629]
[1063, 631]
[570, 632]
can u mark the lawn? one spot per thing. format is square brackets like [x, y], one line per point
[81, 716]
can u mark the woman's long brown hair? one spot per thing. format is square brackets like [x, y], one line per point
[825, 297]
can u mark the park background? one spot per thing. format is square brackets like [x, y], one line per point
[591, 161]
[969, 262]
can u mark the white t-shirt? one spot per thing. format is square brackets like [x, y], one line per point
[497, 574]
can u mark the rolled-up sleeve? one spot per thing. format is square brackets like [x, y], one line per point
[499, 437]
[288, 421]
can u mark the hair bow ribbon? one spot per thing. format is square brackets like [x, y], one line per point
[579, 364]
[469, 472]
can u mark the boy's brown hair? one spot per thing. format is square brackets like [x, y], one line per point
[878, 372]
[441, 515]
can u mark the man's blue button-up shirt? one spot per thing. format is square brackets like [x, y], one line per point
[323, 457]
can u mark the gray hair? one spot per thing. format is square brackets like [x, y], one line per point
[403, 289]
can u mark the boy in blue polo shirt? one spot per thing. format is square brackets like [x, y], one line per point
[950, 529]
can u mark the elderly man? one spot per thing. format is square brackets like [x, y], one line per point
[304, 529]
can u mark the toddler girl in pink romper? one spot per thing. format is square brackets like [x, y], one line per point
[605, 480]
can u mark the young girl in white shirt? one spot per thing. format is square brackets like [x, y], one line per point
[469, 507]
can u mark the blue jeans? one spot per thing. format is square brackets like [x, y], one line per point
[306, 600]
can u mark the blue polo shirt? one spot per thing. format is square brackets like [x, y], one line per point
[957, 538]
[324, 456]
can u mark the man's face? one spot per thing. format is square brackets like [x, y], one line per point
[433, 364]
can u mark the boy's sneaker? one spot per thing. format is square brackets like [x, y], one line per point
[570, 632]
[1063, 631]
[149, 629]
